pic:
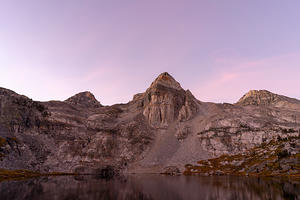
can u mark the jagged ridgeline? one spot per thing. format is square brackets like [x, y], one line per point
[165, 129]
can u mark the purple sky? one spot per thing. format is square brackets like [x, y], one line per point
[115, 49]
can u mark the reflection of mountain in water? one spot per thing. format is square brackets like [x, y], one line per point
[150, 187]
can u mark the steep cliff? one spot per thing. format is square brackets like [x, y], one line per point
[162, 128]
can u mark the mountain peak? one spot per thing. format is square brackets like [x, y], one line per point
[165, 101]
[265, 97]
[166, 80]
[259, 97]
[86, 99]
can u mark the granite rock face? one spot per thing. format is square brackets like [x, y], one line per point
[164, 126]
[165, 102]
[266, 98]
[86, 99]
[259, 97]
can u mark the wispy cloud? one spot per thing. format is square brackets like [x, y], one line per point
[279, 74]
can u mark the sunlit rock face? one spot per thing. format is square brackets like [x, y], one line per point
[165, 102]
[259, 97]
[86, 99]
[161, 127]
[266, 98]
[190, 107]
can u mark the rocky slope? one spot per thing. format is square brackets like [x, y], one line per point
[279, 157]
[162, 128]
[85, 99]
[266, 98]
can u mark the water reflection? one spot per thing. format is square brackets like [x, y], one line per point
[148, 187]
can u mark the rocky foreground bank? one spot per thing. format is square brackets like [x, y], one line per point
[277, 158]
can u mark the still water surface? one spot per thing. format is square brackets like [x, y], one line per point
[148, 187]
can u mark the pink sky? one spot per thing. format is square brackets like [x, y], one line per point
[115, 49]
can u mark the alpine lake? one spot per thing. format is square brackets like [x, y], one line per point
[150, 187]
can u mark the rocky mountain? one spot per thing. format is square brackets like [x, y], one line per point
[86, 99]
[165, 127]
[266, 98]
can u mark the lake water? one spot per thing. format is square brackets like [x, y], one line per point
[148, 187]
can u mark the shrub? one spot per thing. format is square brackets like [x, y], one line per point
[188, 166]
[2, 141]
[282, 154]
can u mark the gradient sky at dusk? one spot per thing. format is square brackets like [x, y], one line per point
[115, 49]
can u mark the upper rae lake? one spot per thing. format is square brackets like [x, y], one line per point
[148, 187]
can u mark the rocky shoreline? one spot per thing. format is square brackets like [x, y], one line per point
[276, 158]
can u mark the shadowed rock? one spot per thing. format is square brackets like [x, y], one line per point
[163, 126]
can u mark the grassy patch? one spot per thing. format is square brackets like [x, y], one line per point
[2, 141]
[268, 159]
[14, 174]
[24, 174]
